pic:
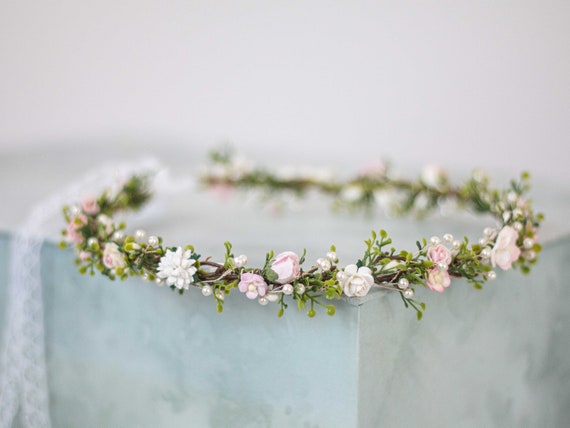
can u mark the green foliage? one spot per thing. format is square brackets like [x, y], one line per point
[388, 266]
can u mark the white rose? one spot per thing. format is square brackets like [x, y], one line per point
[355, 281]
[112, 257]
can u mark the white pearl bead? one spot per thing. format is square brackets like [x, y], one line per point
[434, 240]
[482, 241]
[140, 234]
[159, 282]
[220, 295]
[92, 241]
[153, 241]
[287, 289]
[530, 255]
[263, 301]
[240, 261]
[324, 264]
[340, 276]
[409, 293]
[512, 197]
[506, 216]
[486, 252]
[488, 232]
[491, 274]
[456, 244]
[331, 255]
[74, 210]
[448, 237]
[403, 283]
[517, 226]
[300, 288]
[207, 290]
[119, 235]
[442, 266]
[272, 297]
[528, 243]
[517, 212]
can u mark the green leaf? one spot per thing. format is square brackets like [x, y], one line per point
[383, 234]
[271, 275]
[302, 259]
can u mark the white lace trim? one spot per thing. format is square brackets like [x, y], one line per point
[23, 382]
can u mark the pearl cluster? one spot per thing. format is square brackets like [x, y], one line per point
[326, 263]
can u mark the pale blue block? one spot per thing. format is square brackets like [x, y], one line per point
[131, 354]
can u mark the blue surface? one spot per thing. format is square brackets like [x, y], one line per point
[131, 354]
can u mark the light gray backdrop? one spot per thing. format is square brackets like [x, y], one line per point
[463, 83]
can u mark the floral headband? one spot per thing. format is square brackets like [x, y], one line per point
[103, 246]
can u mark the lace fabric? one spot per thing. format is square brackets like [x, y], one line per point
[23, 378]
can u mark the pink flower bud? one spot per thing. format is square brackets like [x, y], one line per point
[286, 266]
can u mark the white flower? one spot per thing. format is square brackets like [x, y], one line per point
[112, 257]
[505, 251]
[352, 193]
[355, 281]
[177, 268]
[433, 175]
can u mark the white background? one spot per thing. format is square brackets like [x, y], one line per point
[465, 84]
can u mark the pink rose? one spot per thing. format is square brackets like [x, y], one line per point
[252, 285]
[374, 170]
[286, 266]
[505, 251]
[72, 231]
[438, 280]
[439, 254]
[90, 206]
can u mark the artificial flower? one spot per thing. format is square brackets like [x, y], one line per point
[439, 254]
[252, 285]
[72, 231]
[438, 280]
[286, 266]
[177, 268]
[89, 205]
[355, 281]
[505, 251]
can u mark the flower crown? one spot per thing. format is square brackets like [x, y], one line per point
[102, 244]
